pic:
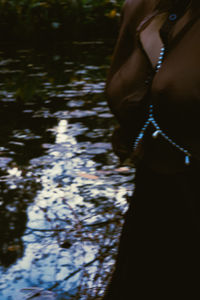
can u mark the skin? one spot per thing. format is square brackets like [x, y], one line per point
[171, 88]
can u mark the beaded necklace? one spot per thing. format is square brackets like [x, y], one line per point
[151, 121]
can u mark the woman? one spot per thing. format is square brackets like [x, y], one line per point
[153, 89]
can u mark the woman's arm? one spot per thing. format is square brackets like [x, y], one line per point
[125, 42]
[129, 67]
[125, 86]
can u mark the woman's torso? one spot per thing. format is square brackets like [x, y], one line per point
[174, 90]
[175, 94]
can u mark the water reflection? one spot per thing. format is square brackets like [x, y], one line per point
[16, 193]
[12, 225]
[62, 193]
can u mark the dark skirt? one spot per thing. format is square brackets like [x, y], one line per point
[159, 251]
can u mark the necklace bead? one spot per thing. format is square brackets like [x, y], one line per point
[172, 17]
[156, 134]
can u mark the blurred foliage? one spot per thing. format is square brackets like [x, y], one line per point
[47, 19]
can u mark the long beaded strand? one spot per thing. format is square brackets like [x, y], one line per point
[151, 120]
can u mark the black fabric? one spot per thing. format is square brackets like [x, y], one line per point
[159, 252]
[173, 5]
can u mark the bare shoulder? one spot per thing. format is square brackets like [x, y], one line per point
[132, 6]
[140, 2]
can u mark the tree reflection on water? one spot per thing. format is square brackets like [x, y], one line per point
[63, 195]
[12, 224]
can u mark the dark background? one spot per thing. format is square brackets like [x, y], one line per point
[43, 20]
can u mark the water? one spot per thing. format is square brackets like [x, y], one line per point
[62, 193]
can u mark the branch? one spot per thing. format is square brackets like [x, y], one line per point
[81, 268]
